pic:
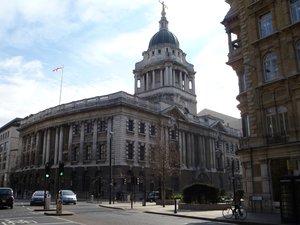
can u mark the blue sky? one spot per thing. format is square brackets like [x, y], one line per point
[98, 42]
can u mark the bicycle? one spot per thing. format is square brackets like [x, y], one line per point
[231, 211]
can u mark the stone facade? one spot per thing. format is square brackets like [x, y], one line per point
[120, 143]
[9, 143]
[264, 51]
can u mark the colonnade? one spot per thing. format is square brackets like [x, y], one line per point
[167, 76]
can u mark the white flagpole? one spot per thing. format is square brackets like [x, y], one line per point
[61, 81]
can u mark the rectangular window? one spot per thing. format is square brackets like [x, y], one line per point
[142, 128]
[101, 151]
[130, 150]
[246, 125]
[76, 129]
[295, 10]
[152, 130]
[88, 128]
[101, 126]
[142, 152]
[130, 125]
[277, 121]
[75, 152]
[88, 152]
[265, 25]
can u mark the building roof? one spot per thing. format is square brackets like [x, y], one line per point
[15, 122]
[227, 120]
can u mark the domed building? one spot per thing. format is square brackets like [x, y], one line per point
[115, 145]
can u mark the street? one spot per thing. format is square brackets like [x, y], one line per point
[90, 214]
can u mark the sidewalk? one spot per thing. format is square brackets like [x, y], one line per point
[213, 215]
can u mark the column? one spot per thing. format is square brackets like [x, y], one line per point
[70, 140]
[161, 78]
[61, 142]
[184, 149]
[81, 144]
[56, 145]
[180, 80]
[153, 79]
[94, 146]
[44, 147]
[180, 148]
[186, 82]
[37, 151]
[48, 145]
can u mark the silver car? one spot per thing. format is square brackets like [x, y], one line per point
[68, 196]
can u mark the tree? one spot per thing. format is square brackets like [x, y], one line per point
[164, 155]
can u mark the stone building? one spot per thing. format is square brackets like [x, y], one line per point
[264, 51]
[9, 140]
[120, 143]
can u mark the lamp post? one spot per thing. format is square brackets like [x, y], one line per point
[110, 167]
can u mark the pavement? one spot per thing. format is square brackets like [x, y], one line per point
[210, 215]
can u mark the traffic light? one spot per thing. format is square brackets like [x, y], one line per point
[124, 181]
[47, 170]
[137, 180]
[61, 169]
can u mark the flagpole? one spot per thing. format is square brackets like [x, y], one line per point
[61, 81]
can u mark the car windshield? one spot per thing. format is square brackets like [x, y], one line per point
[68, 193]
[39, 193]
[5, 192]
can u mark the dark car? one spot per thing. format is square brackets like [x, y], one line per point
[68, 196]
[153, 196]
[38, 197]
[6, 197]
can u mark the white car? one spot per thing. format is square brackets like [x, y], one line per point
[68, 196]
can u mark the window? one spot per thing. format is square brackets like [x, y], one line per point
[129, 150]
[270, 66]
[142, 128]
[246, 125]
[88, 152]
[265, 25]
[243, 83]
[75, 152]
[298, 54]
[141, 151]
[130, 125]
[152, 130]
[75, 129]
[101, 151]
[277, 121]
[101, 126]
[88, 128]
[295, 10]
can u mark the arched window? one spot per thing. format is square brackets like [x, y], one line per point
[295, 10]
[270, 66]
[298, 54]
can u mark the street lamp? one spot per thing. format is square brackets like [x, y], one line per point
[110, 167]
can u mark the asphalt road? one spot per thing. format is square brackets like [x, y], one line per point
[90, 214]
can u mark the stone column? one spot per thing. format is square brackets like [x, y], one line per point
[161, 78]
[81, 144]
[70, 143]
[56, 145]
[44, 146]
[94, 146]
[184, 149]
[180, 148]
[153, 79]
[48, 145]
[37, 151]
[61, 142]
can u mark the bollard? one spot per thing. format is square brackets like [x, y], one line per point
[175, 205]
[92, 198]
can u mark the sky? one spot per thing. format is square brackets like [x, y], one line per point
[98, 43]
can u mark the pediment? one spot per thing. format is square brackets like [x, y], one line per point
[174, 112]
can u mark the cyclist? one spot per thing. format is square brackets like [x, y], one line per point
[237, 203]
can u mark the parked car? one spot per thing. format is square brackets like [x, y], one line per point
[6, 197]
[68, 196]
[38, 197]
[153, 196]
